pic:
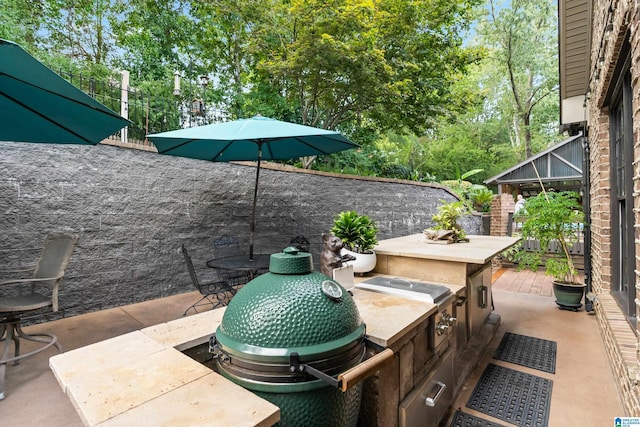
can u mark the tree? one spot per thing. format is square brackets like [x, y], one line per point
[471, 138]
[153, 36]
[227, 30]
[21, 21]
[522, 38]
[386, 64]
[79, 29]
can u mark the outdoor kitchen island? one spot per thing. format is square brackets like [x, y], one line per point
[465, 264]
[144, 378]
[433, 367]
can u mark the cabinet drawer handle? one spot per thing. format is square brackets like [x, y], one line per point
[483, 296]
[431, 401]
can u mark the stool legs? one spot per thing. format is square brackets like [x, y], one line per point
[12, 331]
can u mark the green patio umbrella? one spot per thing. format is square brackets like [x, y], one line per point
[37, 105]
[255, 139]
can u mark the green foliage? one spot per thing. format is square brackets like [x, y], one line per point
[20, 21]
[522, 39]
[473, 142]
[480, 197]
[513, 254]
[153, 37]
[551, 217]
[357, 232]
[390, 62]
[475, 196]
[363, 68]
[460, 186]
[370, 161]
[447, 218]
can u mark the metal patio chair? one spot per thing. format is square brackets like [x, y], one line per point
[216, 293]
[301, 243]
[39, 292]
[228, 246]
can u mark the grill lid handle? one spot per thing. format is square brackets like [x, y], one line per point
[296, 366]
[349, 378]
[364, 370]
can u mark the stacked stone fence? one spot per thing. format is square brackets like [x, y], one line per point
[133, 209]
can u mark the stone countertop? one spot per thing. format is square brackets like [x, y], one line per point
[389, 318]
[479, 249]
[143, 378]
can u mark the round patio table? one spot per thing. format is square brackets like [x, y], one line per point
[241, 263]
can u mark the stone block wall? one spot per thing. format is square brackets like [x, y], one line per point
[133, 209]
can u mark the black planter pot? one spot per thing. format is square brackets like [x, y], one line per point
[568, 295]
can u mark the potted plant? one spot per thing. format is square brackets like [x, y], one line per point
[551, 219]
[358, 233]
[481, 198]
[447, 229]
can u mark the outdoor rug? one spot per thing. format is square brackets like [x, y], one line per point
[528, 351]
[462, 419]
[512, 396]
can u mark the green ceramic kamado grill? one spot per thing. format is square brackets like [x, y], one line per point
[294, 337]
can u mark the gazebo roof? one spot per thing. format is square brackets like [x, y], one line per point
[560, 163]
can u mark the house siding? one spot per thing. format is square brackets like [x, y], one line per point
[573, 44]
[618, 335]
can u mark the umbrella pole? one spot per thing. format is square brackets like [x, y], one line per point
[255, 199]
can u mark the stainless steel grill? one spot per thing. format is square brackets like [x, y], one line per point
[429, 401]
[441, 323]
[420, 291]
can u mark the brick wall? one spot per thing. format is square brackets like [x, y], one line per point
[133, 210]
[501, 206]
[619, 337]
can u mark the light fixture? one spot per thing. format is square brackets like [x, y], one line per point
[176, 83]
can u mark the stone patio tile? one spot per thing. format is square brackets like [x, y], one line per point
[203, 406]
[87, 374]
[186, 332]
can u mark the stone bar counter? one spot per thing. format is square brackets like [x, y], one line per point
[390, 397]
[144, 378]
[465, 264]
[412, 256]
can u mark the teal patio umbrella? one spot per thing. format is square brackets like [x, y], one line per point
[37, 105]
[255, 139]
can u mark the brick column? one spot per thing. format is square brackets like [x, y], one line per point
[501, 206]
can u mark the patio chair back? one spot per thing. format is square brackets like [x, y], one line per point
[214, 294]
[226, 246]
[191, 269]
[48, 273]
[55, 257]
[301, 243]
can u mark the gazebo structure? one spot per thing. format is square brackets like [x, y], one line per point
[563, 167]
[559, 168]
